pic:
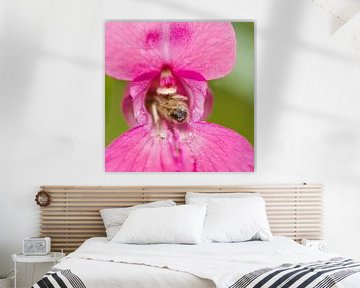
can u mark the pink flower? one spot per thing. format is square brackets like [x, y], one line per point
[168, 99]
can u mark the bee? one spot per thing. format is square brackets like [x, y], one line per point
[165, 103]
[171, 107]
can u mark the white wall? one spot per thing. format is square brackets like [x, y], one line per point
[52, 106]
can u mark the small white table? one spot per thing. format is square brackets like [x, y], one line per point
[53, 257]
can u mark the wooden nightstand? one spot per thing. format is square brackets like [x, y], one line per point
[53, 257]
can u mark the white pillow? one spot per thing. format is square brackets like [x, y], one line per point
[204, 198]
[113, 218]
[180, 224]
[236, 220]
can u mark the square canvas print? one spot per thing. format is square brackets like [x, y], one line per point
[179, 96]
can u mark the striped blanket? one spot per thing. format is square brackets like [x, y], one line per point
[320, 274]
[59, 278]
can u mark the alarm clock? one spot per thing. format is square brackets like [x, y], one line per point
[320, 245]
[36, 246]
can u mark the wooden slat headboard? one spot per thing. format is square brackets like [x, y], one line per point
[73, 215]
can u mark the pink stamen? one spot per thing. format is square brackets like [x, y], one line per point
[167, 79]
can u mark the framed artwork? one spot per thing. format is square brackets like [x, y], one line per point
[179, 96]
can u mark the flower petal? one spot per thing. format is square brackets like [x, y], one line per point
[128, 109]
[134, 48]
[208, 48]
[209, 101]
[137, 91]
[218, 149]
[196, 89]
[139, 150]
[208, 148]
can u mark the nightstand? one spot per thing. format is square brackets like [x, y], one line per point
[320, 245]
[53, 257]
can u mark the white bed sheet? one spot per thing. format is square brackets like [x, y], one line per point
[101, 274]
[100, 263]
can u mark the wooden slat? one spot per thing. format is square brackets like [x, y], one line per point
[73, 216]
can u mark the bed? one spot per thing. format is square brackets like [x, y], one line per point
[294, 211]
[98, 263]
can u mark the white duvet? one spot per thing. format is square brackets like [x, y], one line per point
[100, 263]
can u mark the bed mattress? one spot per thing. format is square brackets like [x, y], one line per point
[99, 263]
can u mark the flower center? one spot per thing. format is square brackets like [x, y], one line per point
[164, 102]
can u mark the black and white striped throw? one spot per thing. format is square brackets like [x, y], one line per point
[320, 274]
[58, 278]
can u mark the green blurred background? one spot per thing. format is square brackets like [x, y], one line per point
[233, 95]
